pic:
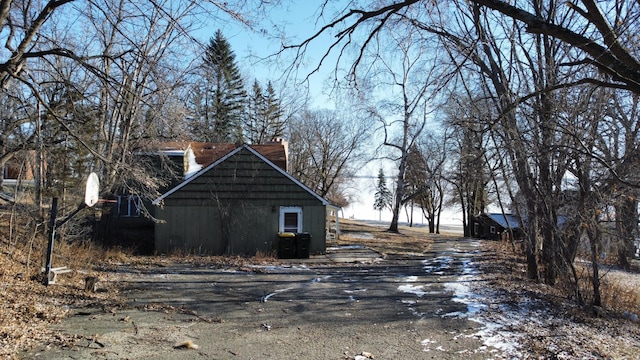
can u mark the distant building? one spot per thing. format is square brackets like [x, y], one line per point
[497, 226]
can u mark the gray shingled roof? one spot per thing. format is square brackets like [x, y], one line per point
[506, 220]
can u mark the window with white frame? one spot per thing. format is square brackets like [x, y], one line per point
[492, 229]
[128, 206]
[290, 219]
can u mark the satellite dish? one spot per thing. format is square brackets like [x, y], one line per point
[91, 192]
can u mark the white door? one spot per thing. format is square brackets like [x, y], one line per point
[291, 219]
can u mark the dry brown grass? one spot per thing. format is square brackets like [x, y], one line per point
[566, 329]
[269, 256]
[619, 290]
[407, 240]
[28, 308]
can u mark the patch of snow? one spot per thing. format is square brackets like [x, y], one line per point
[417, 314]
[280, 268]
[493, 333]
[496, 332]
[266, 297]
[463, 294]
[192, 166]
[413, 289]
[426, 342]
[354, 291]
[437, 265]
[319, 279]
[346, 247]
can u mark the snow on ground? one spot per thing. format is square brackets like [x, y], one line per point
[494, 332]
[265, 298]
[477, 298]
[346, 247]
[278, 268]
[515, 325]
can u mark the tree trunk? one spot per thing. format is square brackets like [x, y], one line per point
[594, 240]
[626, 224]
[411, 215]
[397, 204]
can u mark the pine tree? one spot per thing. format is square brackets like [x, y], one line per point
[255, 109]
[383, 195]
[274, 113]
[220, 108]
[264, 120]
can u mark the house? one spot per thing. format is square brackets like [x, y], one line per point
[497, 226]
[128, 218]
[237, 205]
[17, 172]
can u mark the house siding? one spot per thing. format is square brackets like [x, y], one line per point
[233, 208]
[483, 224]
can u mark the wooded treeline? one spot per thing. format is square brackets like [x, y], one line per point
[529, 106]
[89, 86]
[539, 100]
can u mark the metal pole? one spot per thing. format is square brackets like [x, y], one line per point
[52, 235]
[63, 221]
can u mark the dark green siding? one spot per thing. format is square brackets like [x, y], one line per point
[234, 208]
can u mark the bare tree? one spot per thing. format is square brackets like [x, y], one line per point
[141, 63]
[325, 151]
[532, 62]
[467, 172]
[404, 69]
[617, 149]
[120, 62]
[603, 35]
[436, 149]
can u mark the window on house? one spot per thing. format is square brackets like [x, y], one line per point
[291, 219]
[492, 229]
[128, 206]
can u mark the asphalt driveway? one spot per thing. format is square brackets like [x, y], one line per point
[351, 304]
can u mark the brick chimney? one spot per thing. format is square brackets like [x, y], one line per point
[285, 144]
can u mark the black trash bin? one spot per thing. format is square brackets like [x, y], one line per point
[303, 242]
[286, 245]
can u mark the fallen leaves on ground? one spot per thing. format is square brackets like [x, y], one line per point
[554, 325]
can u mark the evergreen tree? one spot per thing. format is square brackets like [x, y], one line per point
[264, 120]
[255, 108]
[383, 195]
[220, 108]
[274, 116]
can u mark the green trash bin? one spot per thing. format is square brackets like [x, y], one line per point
[286, 245]
[303, 242]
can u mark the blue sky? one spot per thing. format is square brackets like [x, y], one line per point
[298, 20]
[256, 46]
